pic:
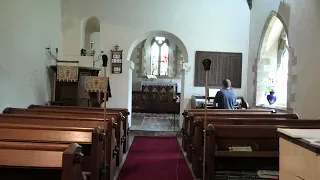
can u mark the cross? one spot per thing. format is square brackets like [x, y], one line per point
[116, 47]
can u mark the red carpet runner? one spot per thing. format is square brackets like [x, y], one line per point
[155, 158]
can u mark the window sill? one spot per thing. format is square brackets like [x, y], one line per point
[275, 107]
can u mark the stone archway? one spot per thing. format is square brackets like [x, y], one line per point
[264, 59]
[174, 39]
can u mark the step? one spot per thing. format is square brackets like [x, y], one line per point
[155, 133]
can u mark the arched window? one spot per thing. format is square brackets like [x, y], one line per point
[159, 56]
[282, 78]
[272, 66]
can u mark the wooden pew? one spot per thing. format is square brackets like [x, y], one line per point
[190, 130]
[78, 114]
[263, 140]
[91, 140]
[124, 111]
[36, 161]
[197, 146]
[185, 121]
[111, 143]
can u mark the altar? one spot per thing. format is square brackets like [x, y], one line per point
[156, 97]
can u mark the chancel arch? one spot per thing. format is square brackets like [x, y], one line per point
[161, 54]
[272, 65]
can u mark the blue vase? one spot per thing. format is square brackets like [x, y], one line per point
[271, 98]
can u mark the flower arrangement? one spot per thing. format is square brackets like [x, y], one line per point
[270, 85]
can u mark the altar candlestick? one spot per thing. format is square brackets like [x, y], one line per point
[101, 45]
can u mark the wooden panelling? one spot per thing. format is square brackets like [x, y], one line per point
[224, 65]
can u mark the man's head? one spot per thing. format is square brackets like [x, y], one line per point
[226, 83]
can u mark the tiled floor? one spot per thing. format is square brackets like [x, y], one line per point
[154, 122]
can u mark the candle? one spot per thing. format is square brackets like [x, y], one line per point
[101, 45]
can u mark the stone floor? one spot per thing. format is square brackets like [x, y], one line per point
[154, 122]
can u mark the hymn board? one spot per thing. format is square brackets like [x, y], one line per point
[116, 62]
[224, 65]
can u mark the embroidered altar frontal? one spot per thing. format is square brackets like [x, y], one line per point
[96, 84]
[67, 72]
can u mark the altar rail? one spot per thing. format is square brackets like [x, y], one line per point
[154, 102]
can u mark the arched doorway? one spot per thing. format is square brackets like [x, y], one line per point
[272, 65]
[162, 55]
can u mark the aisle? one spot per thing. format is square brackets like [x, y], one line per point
[155, 158]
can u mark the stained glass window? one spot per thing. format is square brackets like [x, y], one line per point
[159, 56]
[154, 59]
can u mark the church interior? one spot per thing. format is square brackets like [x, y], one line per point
[131, 90]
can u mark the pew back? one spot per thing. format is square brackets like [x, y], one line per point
[93, 110]
[111, 143]
[91, 140]
[76, 114]
[19, 160]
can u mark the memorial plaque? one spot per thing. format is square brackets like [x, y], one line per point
[224, 65]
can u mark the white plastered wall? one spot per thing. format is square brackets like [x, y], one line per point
[26, 29]
[212, 25]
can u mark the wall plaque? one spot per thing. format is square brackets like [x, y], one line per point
[225, 65]
[116, 61]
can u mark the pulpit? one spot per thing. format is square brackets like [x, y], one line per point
[73, 93]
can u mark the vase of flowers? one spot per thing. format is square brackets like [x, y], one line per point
[271, 97]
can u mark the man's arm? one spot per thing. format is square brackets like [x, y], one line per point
[217, 98]
[235, 100]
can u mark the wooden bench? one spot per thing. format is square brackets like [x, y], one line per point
[124, 112]
[111, 143]
[79, 114]
[263, 141]
[197, 146]
[36, 161]
[185, 121]
[190, 130]
[91, 140]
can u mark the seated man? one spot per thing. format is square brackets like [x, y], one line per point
[226, 97]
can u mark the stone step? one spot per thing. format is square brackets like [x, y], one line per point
[155, 133]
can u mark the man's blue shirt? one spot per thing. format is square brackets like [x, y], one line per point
[226, 99]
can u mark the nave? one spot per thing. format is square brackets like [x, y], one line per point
[78, 143]
[150, 54]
